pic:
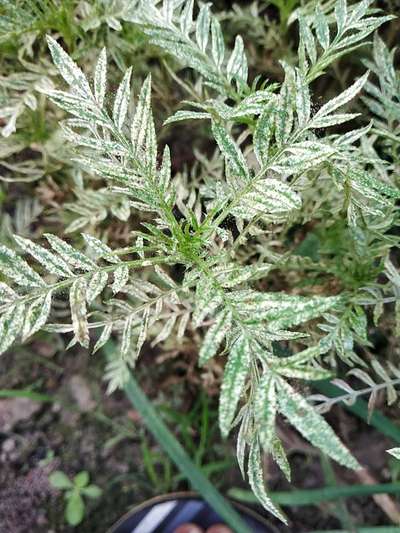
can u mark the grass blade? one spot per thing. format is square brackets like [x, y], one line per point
[178, 455]
[24, 393]
[315, 496]
[377, 529]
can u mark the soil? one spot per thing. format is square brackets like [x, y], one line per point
[81, 428]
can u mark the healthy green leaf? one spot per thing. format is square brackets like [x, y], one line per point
[92, 491]
[81, 479]
[59, 480]
[75, 510]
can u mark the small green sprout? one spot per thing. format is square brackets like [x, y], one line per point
[74, 491]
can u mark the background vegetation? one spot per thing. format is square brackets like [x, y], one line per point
[236, 92]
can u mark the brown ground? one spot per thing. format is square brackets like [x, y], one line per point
[83, 429]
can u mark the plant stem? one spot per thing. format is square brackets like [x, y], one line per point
[360, 409]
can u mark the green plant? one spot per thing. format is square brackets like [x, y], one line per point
[74, 493]
[220, 252]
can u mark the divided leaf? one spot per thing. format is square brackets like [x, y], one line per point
[281, 310]
[70, 255]
[303, 102]
[99, 249]
[203, 27]
[207, 300]
[52, 263]
[268, 196]
[186, 18]
[217, 43]
[6, 294]
[395, 452]
[15, 268]
[165, 170]
[322, 28]
[96, 285]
